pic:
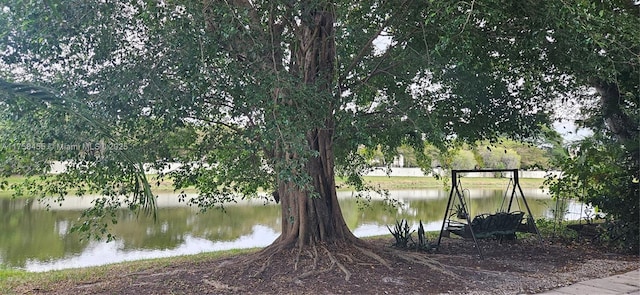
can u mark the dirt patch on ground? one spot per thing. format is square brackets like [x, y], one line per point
[525, 266]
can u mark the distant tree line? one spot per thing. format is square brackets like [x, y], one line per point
[504, 154]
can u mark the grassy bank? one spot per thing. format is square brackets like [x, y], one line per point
[407, 182]
[12, 280]
[391, 183]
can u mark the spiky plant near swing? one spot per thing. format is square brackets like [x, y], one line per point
[423, 243]
[402, 233]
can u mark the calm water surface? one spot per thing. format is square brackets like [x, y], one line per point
[36, 239]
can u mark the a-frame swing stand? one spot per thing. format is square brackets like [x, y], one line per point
[498, 225]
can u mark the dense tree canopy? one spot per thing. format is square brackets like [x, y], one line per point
[278, 95]
[596, 46]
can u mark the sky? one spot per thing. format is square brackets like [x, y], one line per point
[569, 130]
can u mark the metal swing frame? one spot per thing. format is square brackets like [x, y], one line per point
[455, 189]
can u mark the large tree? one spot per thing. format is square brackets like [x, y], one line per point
[278, 92]
[261, 95]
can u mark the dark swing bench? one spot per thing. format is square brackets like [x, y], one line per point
[501, 225]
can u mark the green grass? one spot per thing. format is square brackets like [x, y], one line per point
[9, 273]
[391, 183]
[417, 182]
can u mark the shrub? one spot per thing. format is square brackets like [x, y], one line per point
[402, 233]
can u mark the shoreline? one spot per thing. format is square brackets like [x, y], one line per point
[381, 182]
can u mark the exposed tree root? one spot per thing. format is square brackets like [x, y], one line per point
[220, 286]
[318, 260]
[314, 266]
[265, 264]
[315, 260]
[269, 252]
[421, 258]
[346, 257]
[340, 265]
[374, 256]
[314, 271]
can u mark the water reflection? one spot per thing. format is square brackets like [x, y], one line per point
[98, 253]
[37, 239]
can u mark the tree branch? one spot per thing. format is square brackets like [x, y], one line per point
[362, 53]
[363, 50]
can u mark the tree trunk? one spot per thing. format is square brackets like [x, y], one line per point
[309, 219]
[314, 217]
[624, 128]
[309, 216]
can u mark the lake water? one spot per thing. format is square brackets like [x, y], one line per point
[36, 239]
